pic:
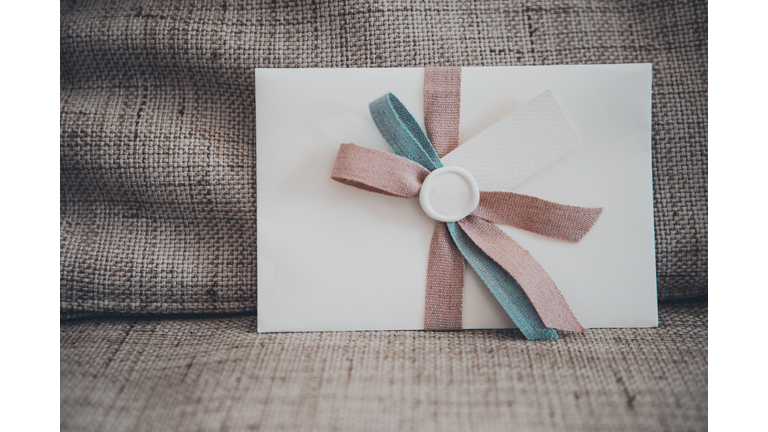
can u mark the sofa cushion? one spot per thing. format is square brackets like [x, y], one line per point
[217, 373]
[158, 183]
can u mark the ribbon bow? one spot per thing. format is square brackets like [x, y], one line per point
[522, 286]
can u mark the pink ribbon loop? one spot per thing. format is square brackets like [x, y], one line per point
[376, 171]
[527, 272]
[536, 215]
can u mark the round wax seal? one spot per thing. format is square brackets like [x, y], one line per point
[449, 194]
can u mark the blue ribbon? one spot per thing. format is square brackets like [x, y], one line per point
[402, 133]
[405, 136]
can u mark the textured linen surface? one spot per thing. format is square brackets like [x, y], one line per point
[158, 182]
[218, 374]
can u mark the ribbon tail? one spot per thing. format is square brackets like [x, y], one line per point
[536, 215]
[445, 282]
[377, 171]
[539, 287]
[507, 291]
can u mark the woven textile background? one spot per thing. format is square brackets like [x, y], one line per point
[218, 374]
[158, 183]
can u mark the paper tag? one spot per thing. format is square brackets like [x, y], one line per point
[518, 146]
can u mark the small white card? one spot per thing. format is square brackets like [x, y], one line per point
[333, 257]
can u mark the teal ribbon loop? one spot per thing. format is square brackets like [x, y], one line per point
[402, 132]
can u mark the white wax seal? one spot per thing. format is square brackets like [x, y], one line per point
[449, 194]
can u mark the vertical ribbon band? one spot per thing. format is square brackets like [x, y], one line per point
[442, 100]
[442, 106]
[445, 282]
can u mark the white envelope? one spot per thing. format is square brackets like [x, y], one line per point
[333, 257]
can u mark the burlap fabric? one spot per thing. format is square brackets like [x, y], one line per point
[158, 184]
[218, 374]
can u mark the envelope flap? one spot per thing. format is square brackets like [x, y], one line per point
[518, 146]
